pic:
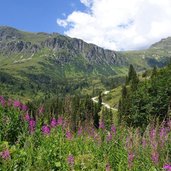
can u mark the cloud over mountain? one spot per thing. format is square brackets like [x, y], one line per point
[120, 24]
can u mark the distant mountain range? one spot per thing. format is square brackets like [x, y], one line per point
[52, 63]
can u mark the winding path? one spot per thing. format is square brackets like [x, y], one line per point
[94, 99]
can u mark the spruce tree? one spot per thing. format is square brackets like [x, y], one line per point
[154, 72]
[97, 109]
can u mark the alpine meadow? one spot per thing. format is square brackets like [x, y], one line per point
[69, 102]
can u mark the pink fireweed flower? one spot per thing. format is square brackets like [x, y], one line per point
[1, 97]
[46, 129]
[9, 102]
[144, 142]
[130, 159]
[129, 142]
[108, 168]
[17, 104]
[113, 129]
[153, 141]
[41, 110]
[60, 121]
[24, 107]
[109, 137]
[80, 130]
[27, 117]
[167, 167]
[3, 102]
[101, 125]
[70, 160]
[53, 123]
[32, 125]
[153, 134]
[155, 157]
[5, 154]
[68, 135]
[163, 136]
[169, 124]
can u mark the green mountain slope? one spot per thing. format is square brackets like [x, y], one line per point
[39, 64]
[149, 101]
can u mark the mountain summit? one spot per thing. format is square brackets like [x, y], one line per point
[55, 63]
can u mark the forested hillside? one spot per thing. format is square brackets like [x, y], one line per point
[38, 65]
[147, 99]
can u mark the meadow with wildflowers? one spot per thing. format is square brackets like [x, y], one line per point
[34, 142]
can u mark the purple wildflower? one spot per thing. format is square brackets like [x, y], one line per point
[9, 102]
[167, 167]
[70, 160]
[113, 129]
[101, 125]
[17, 103]
[24, 107]
[1, 97]
[130, 159]
[144, 142]
[60, 121]
[53, 123]
[40, 110]
[5, 154]
[152, 134]
[2, 101]
[27, 117]
[129, 142]
[153, 141]
[109, 137]
[32, 125]
[155, 157]
[108, 168]
[169, 124]
[163, 136]
[46, 129]
[68, 135]
[80, 130]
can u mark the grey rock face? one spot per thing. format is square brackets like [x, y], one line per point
[12, 41]
[18, 46]
[8, 33]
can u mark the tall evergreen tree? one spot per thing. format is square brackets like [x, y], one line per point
[97, 109]
[132, 78]
[154, 72]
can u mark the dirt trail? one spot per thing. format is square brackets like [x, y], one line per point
[104, 104]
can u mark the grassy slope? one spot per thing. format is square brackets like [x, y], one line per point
[46, 64]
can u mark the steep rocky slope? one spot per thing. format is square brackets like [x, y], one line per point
[42, 63]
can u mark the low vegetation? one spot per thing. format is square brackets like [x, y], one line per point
[35, 141]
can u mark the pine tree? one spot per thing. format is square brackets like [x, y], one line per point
[123, 103]
[96, 117]
[132, 78]
[100, 101]
[154, 72]
[132, 75]
[97, 109]
[76, 112]
[120, 111]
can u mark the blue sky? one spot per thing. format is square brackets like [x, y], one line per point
[112, 24]
[36, 15]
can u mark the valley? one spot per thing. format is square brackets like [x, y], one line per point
[69, 105]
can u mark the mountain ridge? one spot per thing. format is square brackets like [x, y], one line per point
[56, 63]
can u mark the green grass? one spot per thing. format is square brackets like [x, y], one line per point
[89, 149]
[113, 97]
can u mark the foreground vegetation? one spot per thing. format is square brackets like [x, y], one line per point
[147, 99]
[39, 142]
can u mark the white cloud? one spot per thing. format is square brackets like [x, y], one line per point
[120, 24]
